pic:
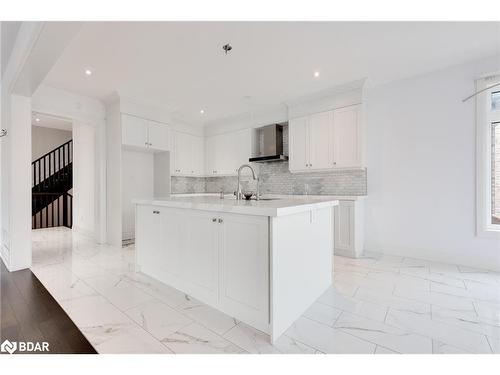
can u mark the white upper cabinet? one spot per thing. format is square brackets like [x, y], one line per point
[225, 153]
[298, 144]
[182, 154]
[134, 131]
[320, 140]
[198, 150]
[145, 134]
[346, 137]
[325, 140]
[187, 156]
[158, 136]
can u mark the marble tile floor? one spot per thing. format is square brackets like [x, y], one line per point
[378, 304]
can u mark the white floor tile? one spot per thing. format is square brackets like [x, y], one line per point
[378, 303]
[250, 339]
[158, 319]
[387, 299]
[399, 340]
[209, 317]
[323, 313]
[119, 292]
[327, 339]
[382, 350]
[352, 305]
[288, 345]
[196, 339]
[448, 334]
[93, 311]
[123, 339]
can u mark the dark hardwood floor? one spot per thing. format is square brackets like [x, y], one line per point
[29, 313]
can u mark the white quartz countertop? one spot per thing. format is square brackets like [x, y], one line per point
[274, 207]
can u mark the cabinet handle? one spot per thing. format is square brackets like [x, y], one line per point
[156, 212]
[214, 220]
[220, 221]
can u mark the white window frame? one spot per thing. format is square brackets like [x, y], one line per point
[485, 116]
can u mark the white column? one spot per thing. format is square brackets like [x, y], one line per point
[16, 194]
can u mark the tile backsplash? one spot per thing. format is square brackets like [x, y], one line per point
[275, 178]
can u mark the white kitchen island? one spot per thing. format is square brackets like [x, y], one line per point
[262, 262]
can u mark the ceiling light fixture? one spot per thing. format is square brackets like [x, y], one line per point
[88, 72]
[316, 74]
[202, 111]
[37, 119]
[227, 48]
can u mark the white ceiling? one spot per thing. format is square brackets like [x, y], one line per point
[182, 68]
[50, 122]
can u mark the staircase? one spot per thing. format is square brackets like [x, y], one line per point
[51, 204]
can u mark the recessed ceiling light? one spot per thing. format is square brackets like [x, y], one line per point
[316, 74]
[88, 72]
[37, 119]
[202, 111]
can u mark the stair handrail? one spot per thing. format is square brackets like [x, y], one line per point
[50, 152]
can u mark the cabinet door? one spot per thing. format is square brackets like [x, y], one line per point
[174, 243]
[210, 147]
[182, 154]
[197, 155]
[218, 162]
[346, 137]
[299, 144]
[134, 131]
[148, 240]
[344, 227]
[244, 280]
[158, 136]
[242, 150]
[201, 256]
[320, 140]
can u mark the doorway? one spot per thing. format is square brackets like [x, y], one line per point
[52, 172]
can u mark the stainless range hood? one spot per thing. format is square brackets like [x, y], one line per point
[270, 140]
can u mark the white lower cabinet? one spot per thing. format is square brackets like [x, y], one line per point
[200, 256]
[244, 282]
[219, 259]
[149, 234]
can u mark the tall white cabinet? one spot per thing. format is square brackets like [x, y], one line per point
[325, 140]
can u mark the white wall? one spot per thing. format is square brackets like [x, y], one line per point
[89, 157]
[421, 168]
[84, 175]
[137, 182]
[44, 140]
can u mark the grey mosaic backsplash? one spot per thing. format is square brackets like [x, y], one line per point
[187, 184]
[275, 178]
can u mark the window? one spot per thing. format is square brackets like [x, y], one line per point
[495, 172]
[495, 101]
[488, 156]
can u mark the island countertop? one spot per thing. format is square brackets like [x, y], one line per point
[267, 207]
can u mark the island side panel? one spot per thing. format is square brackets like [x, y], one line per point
[301, 264]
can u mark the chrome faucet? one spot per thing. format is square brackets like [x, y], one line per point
[239, 195]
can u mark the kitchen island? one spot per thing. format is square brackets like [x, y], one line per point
[262, 262]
